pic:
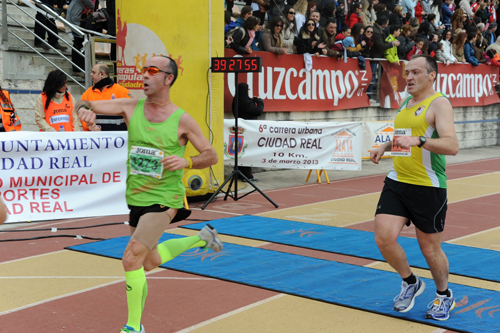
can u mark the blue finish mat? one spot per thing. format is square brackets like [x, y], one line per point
[464, 260]
[342, 284]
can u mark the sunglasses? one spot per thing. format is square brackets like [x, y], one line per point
[279, 25]
[152, 70]
[293, 13]
[309, 24]
[369, 31]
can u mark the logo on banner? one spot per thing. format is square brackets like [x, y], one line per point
[136, 44]
[382, 135]
[419, 110]
[231, 147]
[344, 147]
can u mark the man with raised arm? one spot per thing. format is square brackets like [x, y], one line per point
[415, 189]
[158, 133]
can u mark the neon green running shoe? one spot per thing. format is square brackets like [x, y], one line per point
[128, 329]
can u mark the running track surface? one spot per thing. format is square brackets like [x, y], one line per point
[45, 288]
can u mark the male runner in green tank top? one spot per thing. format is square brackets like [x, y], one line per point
[158, 134]
[415, 189]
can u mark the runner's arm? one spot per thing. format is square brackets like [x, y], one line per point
[118, 107]
[444, 123]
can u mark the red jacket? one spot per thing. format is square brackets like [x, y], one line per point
[418, 12]
[353, 19]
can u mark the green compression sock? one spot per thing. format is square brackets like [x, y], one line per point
[171, 248]
[137, 290]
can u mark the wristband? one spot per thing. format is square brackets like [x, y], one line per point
[189, 162]
[86, 107]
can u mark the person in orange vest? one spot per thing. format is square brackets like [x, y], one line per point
[10, 118]
[105, 88]
[54, 106]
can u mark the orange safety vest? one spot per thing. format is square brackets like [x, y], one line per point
[10, 118]
[58, 115]
[108, 93]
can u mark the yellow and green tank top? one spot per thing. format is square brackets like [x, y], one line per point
[422, 167]
[148, 143]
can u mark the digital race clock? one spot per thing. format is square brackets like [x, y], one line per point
[236, 65]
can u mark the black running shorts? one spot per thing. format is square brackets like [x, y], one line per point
[137, 211]
[424, 206]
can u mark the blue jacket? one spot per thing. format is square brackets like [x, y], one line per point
[446, 14]
[469, 54]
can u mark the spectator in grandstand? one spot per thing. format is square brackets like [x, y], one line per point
[465, 6]
[436, 10]
[354, 14]
[466, 21]
[328, 34]
[379, 43]
[490, 33]
[480, 49]
[243, 38]
[458, 47]
[391, 54]
[426, 7]
[345, 31]
[495, 46]
[272, 39]
[439, 54]
[419, 11]
[409, 7]
[300, 13]
[328, 14]
[9, 118]
[105, 88]
[457, 21]
[309, 40]
[433, 44]
[316, 16]
[249, 109]
[289, 31]
[367, 37]
[433, 27]
[311, 7]
[424, 31]
[446, 13]
[275, 8]
[246, 12]
[260, 8]
[469, 53]
[77, 15]
[229, 24]
[414, 24]
[419, 48]
[492, 58]
[357, 31]
[390, 4]
[396, 18]
[54, 106]
[368, 15]
[229, 6]
[41, 32]
[381, 9]
[482, 13]
[446, 40]
[405, 43]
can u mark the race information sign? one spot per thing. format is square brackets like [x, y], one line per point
[294, 145]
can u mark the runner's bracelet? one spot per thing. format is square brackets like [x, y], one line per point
[189, 163]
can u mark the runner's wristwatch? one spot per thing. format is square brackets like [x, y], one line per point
[423, 140]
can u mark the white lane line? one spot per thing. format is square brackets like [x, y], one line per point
[229, 314]
[32, 257]
[471, 235]
[120, 280]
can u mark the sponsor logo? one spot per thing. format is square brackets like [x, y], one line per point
[129, 288]
[419, 111]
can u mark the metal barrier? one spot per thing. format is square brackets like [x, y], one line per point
[87, 53]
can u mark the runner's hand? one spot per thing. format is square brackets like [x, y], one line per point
[376, 154]
[173, 162]
[406, 141]
[86, 115]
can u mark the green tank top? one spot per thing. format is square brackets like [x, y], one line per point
[148, 143]
[418, 166]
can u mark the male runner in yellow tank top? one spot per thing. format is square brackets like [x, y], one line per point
[158, 134]
[415, 190]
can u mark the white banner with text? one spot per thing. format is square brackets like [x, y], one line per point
[59, 175]
[376, 133]
[294, 145]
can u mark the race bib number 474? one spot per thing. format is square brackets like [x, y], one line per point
[146, 161]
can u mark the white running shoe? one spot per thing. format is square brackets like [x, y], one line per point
[210, 235]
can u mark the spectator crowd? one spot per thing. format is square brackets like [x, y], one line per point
[452, 31]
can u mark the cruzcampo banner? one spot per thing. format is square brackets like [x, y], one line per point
[463, 84]
[162, 29]
[294, 145]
